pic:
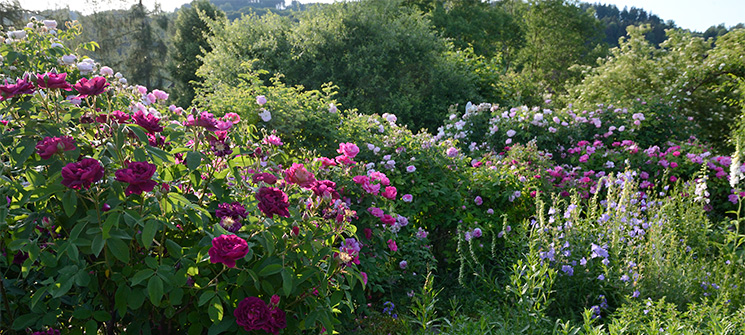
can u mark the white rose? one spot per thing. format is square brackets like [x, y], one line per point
[50, 24]
[69, 59]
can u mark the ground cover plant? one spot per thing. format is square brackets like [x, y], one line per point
[268, 208]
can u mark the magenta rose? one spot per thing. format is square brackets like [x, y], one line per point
[387, 219]
[390, 193]
[297, 174]
[325, 189]
[227, 249]
[52, 80]
[22, 86]
[49, 146]
[208, 121]
[87, 88]
[273, 201]
[252, 314]
[138, 175]
[149, 122]
[82, 174]
[265, 177]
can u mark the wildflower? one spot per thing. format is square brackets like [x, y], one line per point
[410, 168]
[568, 269]
[403, 264]
[478, 201]
[476, 232]
[407, 198]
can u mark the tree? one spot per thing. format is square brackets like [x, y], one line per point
[384, 58]
[190, 31]
[143, 63]
[558, 34]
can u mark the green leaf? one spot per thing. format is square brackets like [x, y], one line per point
[174, 250]
[140, 276]
[119, 249]
[138, 131]
[91, 327]
[135, 299]
[101, 316]
[270, 270]
[155, 290]
[97, 245]
[193, 159]
[111, 221]
[215, 310]
[221, 327]
[148, 233]
[286, 282]
[38, 295]
[120, 298]
[162, 156]
[205, 297]
[69, 202]
[25, 321]
[23, 151]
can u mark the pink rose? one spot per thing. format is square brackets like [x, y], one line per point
[407, 197]
[297, 174]
[348, 149]
[227, 249]
[392, 245]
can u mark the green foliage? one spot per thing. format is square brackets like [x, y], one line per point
[687, 74]
[383, 58]
[189, 42]
[558, 34]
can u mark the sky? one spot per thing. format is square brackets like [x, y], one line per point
[697, 15]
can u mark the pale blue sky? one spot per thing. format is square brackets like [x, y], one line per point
[690, 14]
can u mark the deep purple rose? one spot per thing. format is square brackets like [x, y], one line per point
[94, 86]
[22, 86]
[138, 175]
[231, 215]
[227, 249]
[273, 201]
[53, 80]
[82, 174]
[149, 122]
[276, 321]
[252, 314]
[49, 146]
[265, 177]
